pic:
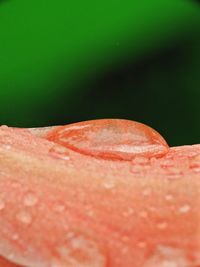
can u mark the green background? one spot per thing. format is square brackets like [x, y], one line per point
[66, 61]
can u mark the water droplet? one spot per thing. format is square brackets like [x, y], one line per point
[162, 225]
[15, 237]
[109, 185]
[195, 164]
[185, 208]
[173, 173]
[143, 214]
[147, 192]
[169, 197]
[24, 217]
[142, 244]
[164, 163]
[165, 256]
[80, 251]
[128, 212]
[141, 161]
[30, 199]
[59, 151]
[2, 204]
[59, 207]
[110, 139]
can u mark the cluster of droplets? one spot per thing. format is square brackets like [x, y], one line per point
[80, 251]
[165, 256]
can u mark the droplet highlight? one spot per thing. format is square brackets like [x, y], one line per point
[60, 152]
[30, 199]
[113, 139]
[24, 217]
[164, 256]
[2, 204]
[80, 251]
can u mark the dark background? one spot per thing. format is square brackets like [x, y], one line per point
[64, 62]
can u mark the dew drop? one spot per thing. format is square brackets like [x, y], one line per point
[109, 185]
[2, 204]
[128, 212]
[59, 207]
[30, 199]
[185, 208]
[15, 237]
[24, 217]
[195, 164]
[173, 173]
[142, 244]
[164, 256]
[169, 197]
[162, 225]
[113, 139]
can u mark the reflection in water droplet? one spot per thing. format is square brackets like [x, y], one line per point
[2, 204]
[165, 256]
[110, 139]
[30, 199]
[24, 217]
[79, 251]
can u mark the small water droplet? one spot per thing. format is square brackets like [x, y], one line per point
[173, 173]
[59, 207]
[143, 214]
[164, 163]
[2, 204]
[128, 212]
[30, 199]
[162, 225]
[169, 197]
[185, 208]
[165, 256]
[194, 164]
[24, 217]
[80, 251]
[112, 139]
[141, 161]
[142, 244]
[147, 192]
[109, 185]
[59, 151]
[15, 237]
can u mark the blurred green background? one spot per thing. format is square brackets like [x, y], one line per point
[67, 61]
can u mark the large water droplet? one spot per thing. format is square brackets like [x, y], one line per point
[110, 139]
